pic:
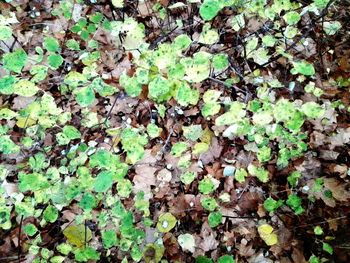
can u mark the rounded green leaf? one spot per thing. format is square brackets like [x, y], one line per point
[312, 110]
[214, 219]
[109, 238]
[226, 259]
[30, 229]
[6, 84]
[85, 96]
[50, 214]
[5, 32]
[303, 67]
[51, 44]
[15, 61]
[209, 9]
[55, 61]
[124, 188]
[159, 89]
[209, 203]
[71, 132]
[292, 17]
[103, 182]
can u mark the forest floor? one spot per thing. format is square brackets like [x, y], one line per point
[175, 131]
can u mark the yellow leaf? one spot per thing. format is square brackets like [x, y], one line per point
[265, 232]
[75, 235]
[166, 222]
[23, 122]
[207, 136]
[265, 229]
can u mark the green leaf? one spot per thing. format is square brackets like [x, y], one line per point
[153, 130]
[124, 188]
[57, 259]
[102, 88]
[50, 214]
[32, 182]
[15, 61]
[294, 202]
[203, 259]
[210, 109]
[182, 42]
[86, 254]
[292, 18]
[314, 259]
[269, 41]
[7, 114]
[166, 222]
[226, 259]
[328, 248]
[303, 67]
[272, 205]
[96, 18]
[259, 172]
[39, 72]
[209, 9]
[87, 202]
[159, 89]
[55, 61]
[25, 88]
[240, 175]
[103, 159]
[131, 86]
[313, 110]
[6, 84]
[64, 248]
[7, 146]
[293, 178]
[188, 177]
[318, 230]
[38, 162]
[85, 96]
[208, 36]
[103, 182]
[109, 238]
[71, 132]
[214, 219]
[185, 95]
[193, 132]
[206, 185]
[220, 61]
[260, 56]
[178, 149]
[51, 44]
[72, 44]
[74, 79]
[264, 154]
[76, 234]
[209, 203]
[5, 32]
[30, 229]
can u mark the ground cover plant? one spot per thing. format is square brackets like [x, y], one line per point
[174, 131]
